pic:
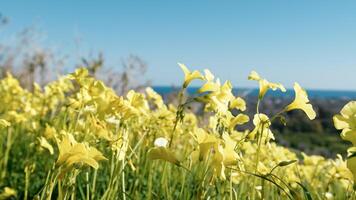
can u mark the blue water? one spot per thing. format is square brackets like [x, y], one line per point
[326, 94]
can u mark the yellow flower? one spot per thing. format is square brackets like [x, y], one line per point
[301, 102]
[50, 132]
[100, 129]
[347, 122]
[218, 162]
[205, 141]
[208, 75]
[238, 120]
[209, 85]
[340, 168]
[16, 117]
[351, 162]
[254, 76]
[79, 73]
[230, 155]
[71, 152]
[224, 155]
[138, 101]
[4, 123]
[7, 193]
[238, 103]
[189, 76]
[262, 124]
[312, 160]
[120, 145]
[157, 99]
[163, 154]
[45, 144]
[264, 84]
[160, 151]
[219, 97]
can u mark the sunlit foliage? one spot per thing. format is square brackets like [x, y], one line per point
[76, 138]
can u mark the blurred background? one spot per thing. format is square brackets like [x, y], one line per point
[131, 45]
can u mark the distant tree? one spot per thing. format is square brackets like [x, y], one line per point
[30, 61]
[131, 75]
[27, 58]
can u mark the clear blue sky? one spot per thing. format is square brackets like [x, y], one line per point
[312, 42]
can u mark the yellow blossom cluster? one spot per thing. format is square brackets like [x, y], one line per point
[346, 121]
[76, 138]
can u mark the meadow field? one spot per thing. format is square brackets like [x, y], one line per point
[76, 138]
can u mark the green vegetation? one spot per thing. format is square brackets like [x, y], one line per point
[75, 138]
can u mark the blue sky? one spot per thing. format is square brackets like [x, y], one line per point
[311, 42]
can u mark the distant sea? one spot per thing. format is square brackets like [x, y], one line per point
[313, 94]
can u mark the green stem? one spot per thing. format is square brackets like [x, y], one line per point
[259, 141]
[123, 180]
[88, 185]
[182, 187]
[178, 114]
[7, 152]
[230, 184]
[27, 180]
[94, 184]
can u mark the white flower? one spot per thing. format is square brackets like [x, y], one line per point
[329, 195]
[113, 120]
[259, 187]
[161, 142]
[89, 109]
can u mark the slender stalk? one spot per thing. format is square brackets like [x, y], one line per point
[123, 181]
[230, 184]
[27, 180]
[178, 114]
[93, 187]
[87, 184]
[183, 184]
[259, 141]
[7, 152]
